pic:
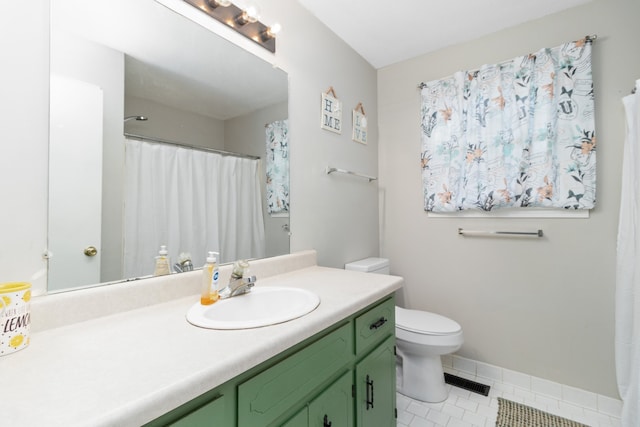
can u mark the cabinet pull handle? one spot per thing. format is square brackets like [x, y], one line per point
[369, 393]
[326, 421]
[381, 321]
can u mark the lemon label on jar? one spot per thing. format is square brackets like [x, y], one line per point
[16, 341]
[27, 296]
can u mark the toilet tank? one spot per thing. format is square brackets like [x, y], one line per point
[369, 265]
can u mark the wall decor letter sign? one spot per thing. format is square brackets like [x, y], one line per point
[331, 112]
[359, 133]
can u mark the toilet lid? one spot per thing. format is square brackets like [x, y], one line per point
[425, 323]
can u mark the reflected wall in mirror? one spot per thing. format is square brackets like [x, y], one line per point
[128, 58]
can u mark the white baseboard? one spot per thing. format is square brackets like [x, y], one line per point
[523, 384]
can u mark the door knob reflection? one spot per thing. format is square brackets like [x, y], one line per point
[90, 251]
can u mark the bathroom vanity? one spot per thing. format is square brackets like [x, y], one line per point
[316, 383]
[125, 355]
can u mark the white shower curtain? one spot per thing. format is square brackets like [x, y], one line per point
[192, 201]
[627, 338]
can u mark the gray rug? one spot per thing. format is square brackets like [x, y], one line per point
[512, 414]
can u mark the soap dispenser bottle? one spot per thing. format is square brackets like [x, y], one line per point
[209, 293]
[162, 262]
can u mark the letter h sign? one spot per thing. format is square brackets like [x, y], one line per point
[331, 118]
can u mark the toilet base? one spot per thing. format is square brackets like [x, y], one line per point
[423, 379]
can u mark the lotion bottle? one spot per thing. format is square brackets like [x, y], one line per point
[162, 262]
[209, 293]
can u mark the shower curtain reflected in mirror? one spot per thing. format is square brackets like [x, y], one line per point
[193, 201]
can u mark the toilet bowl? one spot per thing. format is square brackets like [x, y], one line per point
[421, 338]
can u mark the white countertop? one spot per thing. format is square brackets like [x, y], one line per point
[128, 368]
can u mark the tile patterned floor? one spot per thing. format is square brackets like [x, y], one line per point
[466, 409]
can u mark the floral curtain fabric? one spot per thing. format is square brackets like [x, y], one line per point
[277, 167]
[516, 134]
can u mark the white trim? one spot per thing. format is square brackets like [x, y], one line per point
[515, 213]
[483, 371]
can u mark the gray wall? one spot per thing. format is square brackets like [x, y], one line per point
[543, 307]
[336, 215]
[173, 124]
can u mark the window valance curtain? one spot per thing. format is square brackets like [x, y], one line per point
[519, 133]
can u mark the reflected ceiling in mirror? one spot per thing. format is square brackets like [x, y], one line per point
[194, 87]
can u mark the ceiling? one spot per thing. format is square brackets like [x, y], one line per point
[385, 32]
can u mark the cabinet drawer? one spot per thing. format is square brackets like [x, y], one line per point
[269, 394]
[375, 325]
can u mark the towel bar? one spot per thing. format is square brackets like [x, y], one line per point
[504, 233]
[330, 170]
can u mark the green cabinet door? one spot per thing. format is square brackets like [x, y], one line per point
[210, 415]
[334, 406]
[376, 387]
[301, 419]
[268, 395]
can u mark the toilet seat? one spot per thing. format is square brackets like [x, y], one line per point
[426, 323]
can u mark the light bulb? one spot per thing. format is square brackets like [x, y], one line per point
[270, 32]
[274, 29]
[252, 14]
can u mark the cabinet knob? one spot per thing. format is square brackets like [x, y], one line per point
[326, 421]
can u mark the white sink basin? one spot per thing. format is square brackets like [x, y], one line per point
[260, 307]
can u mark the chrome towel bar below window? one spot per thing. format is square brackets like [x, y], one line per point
[500, 233]
[330, 170]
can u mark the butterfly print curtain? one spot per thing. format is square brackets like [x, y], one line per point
[277, 167]
[516, 134]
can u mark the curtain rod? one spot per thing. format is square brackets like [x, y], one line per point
[178, 144]
[590, 38]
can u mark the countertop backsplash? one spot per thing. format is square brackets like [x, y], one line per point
[64, 308]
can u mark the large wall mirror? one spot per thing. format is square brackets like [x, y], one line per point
[152, 113]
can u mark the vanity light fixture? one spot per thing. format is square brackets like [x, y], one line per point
[243, 20]
[247, 16]
[215, 3]
[270, 32]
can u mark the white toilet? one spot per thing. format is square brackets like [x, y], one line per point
[421, 338]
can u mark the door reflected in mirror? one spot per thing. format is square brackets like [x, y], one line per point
[185, 94]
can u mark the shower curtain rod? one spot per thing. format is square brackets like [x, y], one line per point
[178, 144]
[590, 38]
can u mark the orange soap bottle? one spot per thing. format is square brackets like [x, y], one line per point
[209, 293]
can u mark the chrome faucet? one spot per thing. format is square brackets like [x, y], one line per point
[237, 286]
[238, 283]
